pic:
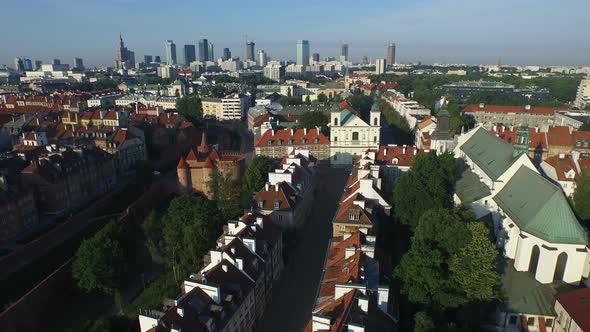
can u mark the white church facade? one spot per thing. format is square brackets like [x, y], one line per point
[533, 222]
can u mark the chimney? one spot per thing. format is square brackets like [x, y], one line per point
[404, 150]
[382, 298]
[180, 311]
[415, 151]
[304, 131]
[266, 188]
[385, 152]
[276, 187]
[481, 105]
[291, 131]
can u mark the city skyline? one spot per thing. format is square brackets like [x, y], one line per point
[426, 31]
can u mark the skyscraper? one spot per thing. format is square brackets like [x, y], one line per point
[391, 54]
[122, 55]
[303, 52]
[344, 52]
[78, 64]
[190, 54]
[203, 50]
[315, 57]
[27, 64]
[56, 61]
[131, 59]
[38, 64]
[211, 52]
[170, 52]
[380, 66]
[157, 59]
[262, 60]
[148, 59]
[226, 54]
[364, 60]
[18, 65]
[250, 51]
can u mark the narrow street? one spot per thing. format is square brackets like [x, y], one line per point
[294, 294]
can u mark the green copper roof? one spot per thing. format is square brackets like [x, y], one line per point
[490, 153]
[540, 208]
[469, 188]
[345, 117]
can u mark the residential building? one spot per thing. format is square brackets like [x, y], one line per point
[189, 54]
[362, 204]
[565, 170]
[127, 146]
[231, 291]
[391, 54]
[17, 207]
[204, 50]
[380, 66]
[196, 169]
[170, 52]
[351, 297]
[391, 161]
[232, 107]
[533, 116]
[275, 72]
[572, 311]
[262, 59]
[303, 52]
[103, 100]
[351, 135]
[532, 219]
[278, 143]
[583, 94]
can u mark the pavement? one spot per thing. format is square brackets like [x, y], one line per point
[295, 293]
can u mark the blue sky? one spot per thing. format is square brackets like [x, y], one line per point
[452, 31]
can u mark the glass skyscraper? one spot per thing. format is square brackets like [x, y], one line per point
[203, 50]
[189, 54]
[171, 52]
[303, 52]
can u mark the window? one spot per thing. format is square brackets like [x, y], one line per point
[290, 141]
[530, 321]
[354, 215]
[342, 227]
[549, 322]
[355, 136]
[375, 121]
[512, 320]
[335, 138]
[260, 204]
[315, 140]
[277, 204]
[374, 139]
[335, 121]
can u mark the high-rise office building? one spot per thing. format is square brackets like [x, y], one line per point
[190, 54]
[344, 52]
[122, 55]
[157, 59]
[315, 57]
[131, 60]
[364, 60]
[27, 64]
[57, 62]
[303, 52]
[18, 65]
[203, 50]
[380, 66]
[148, 59]
[211, 52]
[262, 58]
[170, 52]
[250, 51]
[391, 54]
[38, 64]
[226, 54]
[78, 64]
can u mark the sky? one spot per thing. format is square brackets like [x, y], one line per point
[535, 32]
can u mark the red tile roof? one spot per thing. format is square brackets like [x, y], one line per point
[577, 305]
[560, 136]
[281, 137]
[582, 135]
[345, 105]
[563, 166]
[537, 139]
[512, 109]
[405, 155]
[281, 193]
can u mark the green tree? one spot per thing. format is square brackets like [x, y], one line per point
[585, 126]
[100, 261]
[361, 103]
[423, 322]
[190, 108]
[154, 235]
[428, 184]
[257, 174]
[582, 197]
[226, 192]
[423, 270]
[322, 98]
[307, 100]
[473, 268]
[191, 225]
[398, 124]
[312, 119]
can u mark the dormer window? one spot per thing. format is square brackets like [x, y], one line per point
[261, 204]
[303, 140]
[277, 204]
[270, 142]
[290, 141]
[315, 140]
[354, 215]
[394, 161]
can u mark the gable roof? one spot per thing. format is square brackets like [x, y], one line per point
[560, 135]
[538, 207]
[281, 137]
[490, 153]
[577, 305]
[512, 109]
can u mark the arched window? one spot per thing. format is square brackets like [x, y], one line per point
[534, 262]
[375, 121]
[560, 267]
[335, 138]
[335, 121]
[355, 136]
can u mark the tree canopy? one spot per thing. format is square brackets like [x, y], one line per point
[585, 127]
[312, 119]
[322, 98]
[397, 123]
[257, 173]
[428, 184]
[100, 261]
[190, 107]
[582, 198]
